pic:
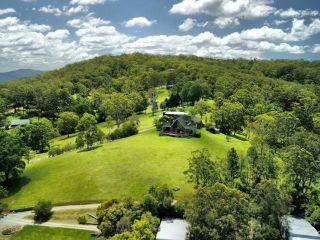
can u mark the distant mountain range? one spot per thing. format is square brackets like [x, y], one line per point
[18, 74]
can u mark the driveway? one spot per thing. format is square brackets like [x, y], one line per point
[14, 219]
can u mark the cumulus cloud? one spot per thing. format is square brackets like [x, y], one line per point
[139, 22]
[228, 12]
[299, 32]
[292, 13]
[97, 35]
[6, 11]
[37, 46]
[87, 2]
[223, 22]
[190, 23]
[68, 11]
[24, 44]
[58, 34]
[316, 48]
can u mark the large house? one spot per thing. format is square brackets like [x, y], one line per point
[179, 124]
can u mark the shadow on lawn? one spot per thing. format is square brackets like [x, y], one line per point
[16, 184]
[239, 137]
[90, 149]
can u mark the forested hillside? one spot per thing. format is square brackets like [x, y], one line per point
[259, 85]
[273, 104]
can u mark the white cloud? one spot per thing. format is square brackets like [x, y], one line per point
[6, 11]
[58, 34]
[292, 13]
[65, 10]
[24, 44]
[279, 22]
[298, 32]
[228, 12]
[98, 36]
[223, 22]
[87, 22]
[139, 22]
[87, 2]
[316, 48]
[188, 24]
[50, 9]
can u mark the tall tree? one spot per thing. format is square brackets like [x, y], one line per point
[89, 132]
[118, 106]
[201, 107]
[269, 205]
[218, 212]
[202, 171]
[153, 95]
[230, 117]
[11, 152]
[302, 171]
[67, 122]
[233, 163]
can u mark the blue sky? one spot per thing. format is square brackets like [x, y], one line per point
[43, 34]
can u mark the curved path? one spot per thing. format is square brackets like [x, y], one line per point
[19, 218]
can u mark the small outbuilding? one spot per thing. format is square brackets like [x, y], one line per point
[18, 122]
[300, 229]
[172, 229]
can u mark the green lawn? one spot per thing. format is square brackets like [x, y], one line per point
[47, 233]
[123, 168]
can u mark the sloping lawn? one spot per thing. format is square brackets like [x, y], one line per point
[123, 168]
[47, 233]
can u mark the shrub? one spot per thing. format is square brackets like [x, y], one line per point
[55, 151]
[82, 220]
[126, 130]
[42, 211]
[10, 230]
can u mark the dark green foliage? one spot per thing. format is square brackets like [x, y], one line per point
[202, 170]
[233, 163]
[89, 132]
[269, 206]
[37, 135]
[122, 218]
[159, 201]
[67, 122]
[302, 171]
[230, 117]
[126, 130]
[42, 211]
[218, 212]
[12, 150]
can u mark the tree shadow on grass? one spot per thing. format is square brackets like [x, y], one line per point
[90, 149]
[15, 185]
[241, 138]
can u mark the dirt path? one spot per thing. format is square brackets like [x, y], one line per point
[14, 219]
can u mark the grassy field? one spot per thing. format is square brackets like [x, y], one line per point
[123, 168]
[146, 122]
[47, 233]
